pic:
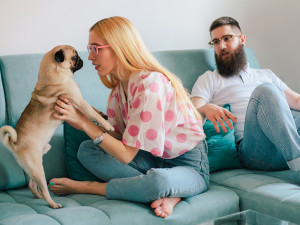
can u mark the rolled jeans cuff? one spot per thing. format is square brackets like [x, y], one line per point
[294, 164]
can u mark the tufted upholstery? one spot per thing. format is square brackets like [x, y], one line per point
[18, 206]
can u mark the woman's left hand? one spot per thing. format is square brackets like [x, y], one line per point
[66, 111]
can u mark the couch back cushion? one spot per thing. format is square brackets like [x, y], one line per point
[3, 117]
[188, 65]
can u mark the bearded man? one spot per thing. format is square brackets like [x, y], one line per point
[266, 130]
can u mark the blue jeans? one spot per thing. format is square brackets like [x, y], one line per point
[271, 135]
[148, 178]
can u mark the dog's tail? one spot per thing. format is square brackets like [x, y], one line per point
[9, 137]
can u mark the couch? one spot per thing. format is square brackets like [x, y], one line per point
[231, 190]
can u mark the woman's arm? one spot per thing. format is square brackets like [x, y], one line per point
[111, 141]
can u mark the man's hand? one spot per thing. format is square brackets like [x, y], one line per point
[216, 114]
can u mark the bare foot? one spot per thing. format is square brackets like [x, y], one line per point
[164, 207]
[63, 186]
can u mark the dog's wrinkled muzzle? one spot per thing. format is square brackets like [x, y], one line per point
[78, 63]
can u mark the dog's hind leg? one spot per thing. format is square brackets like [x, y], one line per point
[34, 189]
[43, 188]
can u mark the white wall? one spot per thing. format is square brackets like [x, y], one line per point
[271, 26]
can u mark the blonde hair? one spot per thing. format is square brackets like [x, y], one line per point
[133, 55]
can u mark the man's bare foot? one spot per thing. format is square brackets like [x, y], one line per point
[164, 207]
[63, 186]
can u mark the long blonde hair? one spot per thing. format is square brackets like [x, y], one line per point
[133, 55]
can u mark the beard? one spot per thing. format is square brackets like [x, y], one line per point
[232, 64]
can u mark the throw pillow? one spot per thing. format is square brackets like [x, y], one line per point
[222, 153]
[73, 139]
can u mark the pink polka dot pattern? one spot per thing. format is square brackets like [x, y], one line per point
[124, 141]
[154, 87]
[138, 144]
[151, 134]
[164, 79]
[132, 89]
[133, 130]
[155, 151]
[168, 131]
[116, 128]
[166, 155]
[136, 103]
[152, 118]
[124, 114]
[181, 138]
[158, 105]
[144, 76]
[168, 145]
[141, 88]
[169, 97]
[111, 113]
[146, 116]
[169, 115]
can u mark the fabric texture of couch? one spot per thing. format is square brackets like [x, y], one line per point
[274, 193]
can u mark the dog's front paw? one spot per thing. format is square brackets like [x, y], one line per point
[108, 127]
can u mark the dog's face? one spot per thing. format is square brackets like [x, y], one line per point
[67, 58]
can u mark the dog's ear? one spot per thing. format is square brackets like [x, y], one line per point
[59, 56]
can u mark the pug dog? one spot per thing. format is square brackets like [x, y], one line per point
[30, 138]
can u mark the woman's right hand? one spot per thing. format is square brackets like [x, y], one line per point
[66, 111]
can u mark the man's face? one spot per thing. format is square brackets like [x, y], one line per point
[229, 52]
[224, 48]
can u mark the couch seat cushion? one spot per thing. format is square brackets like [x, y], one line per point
[18, 205]
[273, 193]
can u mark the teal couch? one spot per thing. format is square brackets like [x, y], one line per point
[274, 193]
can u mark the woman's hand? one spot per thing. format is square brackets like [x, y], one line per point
[65, 111]
[216, 114]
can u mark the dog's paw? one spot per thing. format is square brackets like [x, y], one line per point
[56, 206]
[109, 129]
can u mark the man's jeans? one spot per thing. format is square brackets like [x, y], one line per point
[148, 178]
[271, 135]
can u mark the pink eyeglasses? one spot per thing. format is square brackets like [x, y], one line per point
[94, 48]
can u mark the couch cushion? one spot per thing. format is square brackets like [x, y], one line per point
[73, 138]
[188, 65]
[3, 118]
[12, 176]
[274, 193]
[19, 205]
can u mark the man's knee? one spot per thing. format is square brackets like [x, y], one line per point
[267, 90]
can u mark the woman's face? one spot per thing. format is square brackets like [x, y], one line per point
[106, 61]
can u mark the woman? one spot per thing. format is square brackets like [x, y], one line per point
[157, 153]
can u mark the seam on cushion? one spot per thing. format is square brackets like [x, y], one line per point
[22, 203]
[252, 194]
[100, 211]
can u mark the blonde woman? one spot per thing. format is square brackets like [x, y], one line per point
[157, 153]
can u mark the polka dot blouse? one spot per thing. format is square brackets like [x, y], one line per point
[151, 117]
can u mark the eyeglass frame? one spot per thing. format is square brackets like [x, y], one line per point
[222, 39]
[89, 48]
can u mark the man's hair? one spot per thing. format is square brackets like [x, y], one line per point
[224, 21]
